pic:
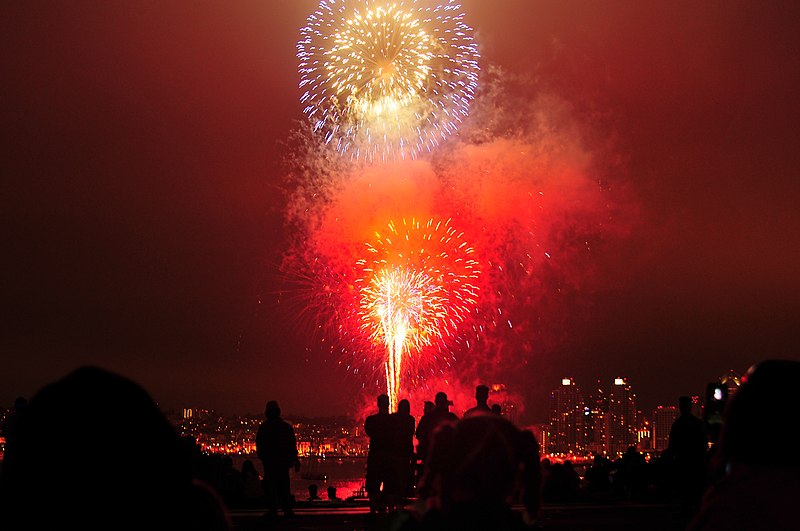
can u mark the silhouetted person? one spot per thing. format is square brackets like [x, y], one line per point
[405, 424]
[688, 444]
[276, 446]
[419, 455]
[430, 421]
[426, 430]
[562, 482]
[73, 432]
[481, 402]
[313, 492]
[476, 470]
[332, 496]
[632, 475]
[756, 485]
[496, 409]
[382, 458]
[598, 480]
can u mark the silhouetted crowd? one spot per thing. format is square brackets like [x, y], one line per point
[479, 471]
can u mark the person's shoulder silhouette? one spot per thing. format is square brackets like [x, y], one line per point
[73, 429]
[688, 437]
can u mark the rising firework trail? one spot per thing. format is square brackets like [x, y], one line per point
[386, 80]
[416, 288]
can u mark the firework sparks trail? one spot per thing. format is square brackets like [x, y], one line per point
[416, 288]
[385, 81]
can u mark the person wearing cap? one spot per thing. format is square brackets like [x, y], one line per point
[426, 428]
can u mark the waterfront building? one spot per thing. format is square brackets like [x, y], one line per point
[621, 419]
[567, 411]
[594, 415]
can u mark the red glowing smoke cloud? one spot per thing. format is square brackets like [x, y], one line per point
[530, 186]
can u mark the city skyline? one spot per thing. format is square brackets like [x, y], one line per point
[143, 155]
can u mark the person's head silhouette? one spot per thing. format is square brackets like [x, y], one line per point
[482, 394]
[404, 407]
[272, 410]
[383, 402]
[73, 430]
[442, 402]
[685, 404]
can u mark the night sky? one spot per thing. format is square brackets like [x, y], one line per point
[142, 217]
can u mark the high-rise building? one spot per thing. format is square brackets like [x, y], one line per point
[567, 434]
[621, 418]
[594, 414]
[663, 417]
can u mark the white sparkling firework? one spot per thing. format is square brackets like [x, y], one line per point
[386, 80]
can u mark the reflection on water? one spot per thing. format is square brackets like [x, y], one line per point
[346, 474]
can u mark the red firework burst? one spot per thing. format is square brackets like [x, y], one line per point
[417, 287]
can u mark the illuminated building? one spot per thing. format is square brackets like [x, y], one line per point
[567, 433]
[621, 418]
[644, 436]
[542, 433]
[663, 417]
[594, 416]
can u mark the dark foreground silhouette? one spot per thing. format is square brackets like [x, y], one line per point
[754, 484]
[62, 469]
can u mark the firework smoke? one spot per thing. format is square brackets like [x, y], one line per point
[526, 180]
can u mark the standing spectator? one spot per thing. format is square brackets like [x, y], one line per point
[430, 421]
[688, 444]
[419, 454]
[482, 402]
[382, 461]
[404, 446]
[276, 446]
[426, 430]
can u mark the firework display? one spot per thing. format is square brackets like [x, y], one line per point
[413, 305]
[385, 80]
[416, 288]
